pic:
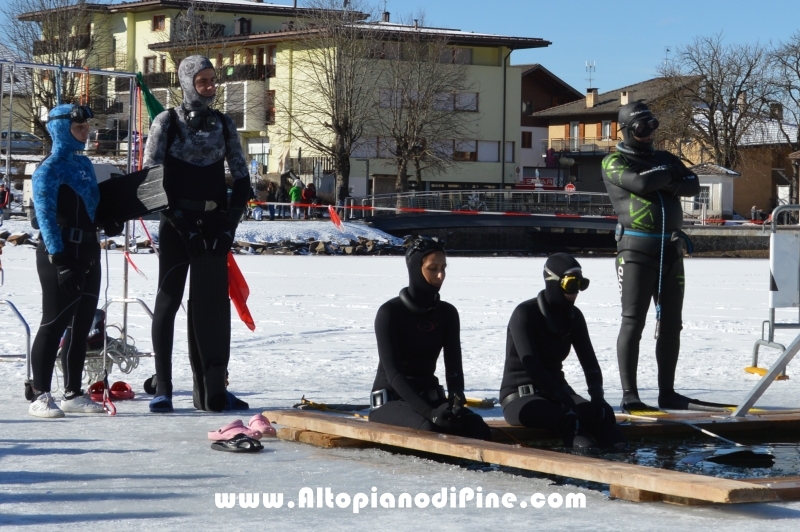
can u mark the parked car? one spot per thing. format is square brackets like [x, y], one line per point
[103, 141]
[21, 142]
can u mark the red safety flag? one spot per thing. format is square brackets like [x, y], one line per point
[335, 218]
[239, 292]
[130, 261]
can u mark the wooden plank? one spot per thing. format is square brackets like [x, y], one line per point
[765, 427]
[288, 433]
[549, 462]
[633, 495]
[318, 439]
[636, 495]
[786, 488]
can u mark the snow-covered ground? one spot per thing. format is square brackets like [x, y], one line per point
[314, 337]
[264, 231]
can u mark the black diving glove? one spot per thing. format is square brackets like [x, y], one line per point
[443, 417]
[70, 275]
[113, 228]
[458, 403]
[599, 404]
[221, 243]
[672, 187]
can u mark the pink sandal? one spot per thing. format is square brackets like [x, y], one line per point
[232, 429]
[261, 424]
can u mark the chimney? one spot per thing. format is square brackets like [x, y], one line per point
[623, 97]
[416, 24]
[591, 98]
[386, 16]
[776, 111]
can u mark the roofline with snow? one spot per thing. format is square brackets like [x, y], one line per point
[152, 5]
[453, 37]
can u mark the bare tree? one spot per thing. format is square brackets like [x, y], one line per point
[195, 32]
[328, 102]
[58, 32]
[423, 100]
[717, 95]
[785, 110]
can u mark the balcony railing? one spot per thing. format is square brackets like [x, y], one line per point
[122, 84]
[549, 202]
[246, 73]
[161, 80]
[113, 60]
[101, 105]
[310, 165]
[54, 46]
[581, 145]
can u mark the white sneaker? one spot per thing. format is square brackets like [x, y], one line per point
[81, 405]
[45, 406]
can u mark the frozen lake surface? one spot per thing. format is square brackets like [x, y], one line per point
[314, 337]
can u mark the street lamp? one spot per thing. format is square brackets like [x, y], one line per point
[263, 135]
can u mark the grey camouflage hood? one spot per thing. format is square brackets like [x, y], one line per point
[187, 70]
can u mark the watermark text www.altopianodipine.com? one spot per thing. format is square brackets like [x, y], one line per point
[309, 498]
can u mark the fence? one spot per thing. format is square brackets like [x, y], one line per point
[581, 145]
[483, 201]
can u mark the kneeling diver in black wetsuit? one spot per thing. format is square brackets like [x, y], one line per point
[534, 392]
[411, 330]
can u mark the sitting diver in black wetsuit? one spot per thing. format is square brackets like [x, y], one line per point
[411, 330]
[541, 332]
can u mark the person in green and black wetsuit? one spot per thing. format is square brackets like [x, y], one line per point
[645, 186]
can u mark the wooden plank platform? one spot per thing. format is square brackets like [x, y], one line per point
[627, 480]
[772, 426]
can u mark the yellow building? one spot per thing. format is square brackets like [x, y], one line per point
[251, 44]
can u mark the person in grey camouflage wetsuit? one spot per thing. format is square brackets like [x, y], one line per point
[193, 141]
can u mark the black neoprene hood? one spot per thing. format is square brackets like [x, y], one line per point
[628, 114]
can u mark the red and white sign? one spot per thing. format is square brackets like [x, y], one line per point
[569, 188]
[540, 183]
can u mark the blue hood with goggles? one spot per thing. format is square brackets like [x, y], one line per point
[60, 120]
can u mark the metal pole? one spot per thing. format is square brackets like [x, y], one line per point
[8, 133]
[503, 135]
[2, 97]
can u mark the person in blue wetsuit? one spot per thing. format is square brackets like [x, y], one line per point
[67, 260]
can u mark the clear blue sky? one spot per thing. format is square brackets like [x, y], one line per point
[626, 39]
